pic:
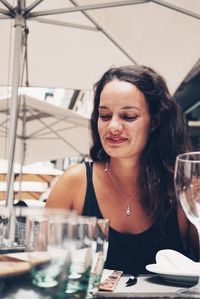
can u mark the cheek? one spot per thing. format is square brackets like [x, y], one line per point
[100, 130]
[141, 132]
[101, 127]
[145, 135]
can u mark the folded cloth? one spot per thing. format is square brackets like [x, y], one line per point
[175, 261]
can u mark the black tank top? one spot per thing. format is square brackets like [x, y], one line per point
[132, 252]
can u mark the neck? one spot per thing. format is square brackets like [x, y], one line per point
[126, 178]
[125, 171]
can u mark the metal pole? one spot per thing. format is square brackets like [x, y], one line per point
[14, 104]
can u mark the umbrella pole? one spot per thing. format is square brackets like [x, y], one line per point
[23, 153]
[14, 104]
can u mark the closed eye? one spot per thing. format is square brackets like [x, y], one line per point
[105, 117]
[129, 118]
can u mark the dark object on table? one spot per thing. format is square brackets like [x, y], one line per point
[131, 281]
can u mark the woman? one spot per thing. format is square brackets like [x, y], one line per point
[137, 131]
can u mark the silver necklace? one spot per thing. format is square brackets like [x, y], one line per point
[107, 170]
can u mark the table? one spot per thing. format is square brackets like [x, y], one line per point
[148, 286]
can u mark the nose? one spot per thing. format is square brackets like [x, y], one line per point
[115, 125]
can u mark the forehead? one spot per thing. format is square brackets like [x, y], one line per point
[122, 93]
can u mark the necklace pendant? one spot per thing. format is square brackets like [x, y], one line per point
[128, 210]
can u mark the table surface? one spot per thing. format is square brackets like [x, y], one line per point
[147, 286]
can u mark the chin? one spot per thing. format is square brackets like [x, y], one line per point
[115, 154]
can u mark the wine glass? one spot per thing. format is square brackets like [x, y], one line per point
[187, 186]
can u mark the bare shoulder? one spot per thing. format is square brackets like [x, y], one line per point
[74, 172]
[69, 191]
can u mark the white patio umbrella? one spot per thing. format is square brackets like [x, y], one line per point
[44, 132]
[69, 43]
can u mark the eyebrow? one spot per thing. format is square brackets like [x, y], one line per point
[125, 107]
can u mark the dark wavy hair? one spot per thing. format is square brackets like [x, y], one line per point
[168, 138]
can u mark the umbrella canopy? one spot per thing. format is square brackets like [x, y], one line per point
[44, 132]
[71, 43]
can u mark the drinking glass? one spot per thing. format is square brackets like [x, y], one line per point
[100, 254]
[81, 257]
[187, 186]
[49, 241]
[12, 228]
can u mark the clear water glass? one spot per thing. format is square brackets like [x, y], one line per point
[187, 186]
[7, 227]
[49, 242]
[81, 257]
[11, 233]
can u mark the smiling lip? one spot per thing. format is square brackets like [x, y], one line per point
[116, 139]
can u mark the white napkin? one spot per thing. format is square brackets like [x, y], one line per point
[172, 260]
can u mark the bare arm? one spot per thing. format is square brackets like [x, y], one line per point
[69, 191]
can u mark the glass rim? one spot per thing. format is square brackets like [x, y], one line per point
[184, 157]
[106, 220]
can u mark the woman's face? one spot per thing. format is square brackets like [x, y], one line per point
[124, 121]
